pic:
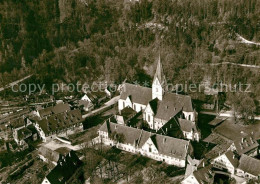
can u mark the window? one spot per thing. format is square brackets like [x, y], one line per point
[148, 118]
[123, 104]
[150, 149]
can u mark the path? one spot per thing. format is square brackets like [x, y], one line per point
[107, 104]
[14, 83]
[224, 114]
[228, 63]
[243, 40]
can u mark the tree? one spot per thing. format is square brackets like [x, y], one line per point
[244, 107]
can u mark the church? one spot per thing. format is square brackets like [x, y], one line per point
[159, 107]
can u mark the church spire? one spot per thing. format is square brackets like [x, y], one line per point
[159, 72]
[159, 82]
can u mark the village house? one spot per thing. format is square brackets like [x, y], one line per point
[197, 172]
[51, 156]
[226, 161]
[85, 105]
[125, 116]
[159, 106]
[53, 110]
[67, 169]
[170, 150]
[61, 124]
[231, 136]
[249, 168]
[96, 97]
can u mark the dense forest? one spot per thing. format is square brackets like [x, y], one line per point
[93, 40]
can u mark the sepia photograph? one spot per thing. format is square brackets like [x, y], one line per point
[129, 91]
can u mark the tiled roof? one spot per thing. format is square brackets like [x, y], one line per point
[245, 144]
[23, 133]
[187, 125]
[60, 121]
[127, 112]
[166, 145]
[16, 123]
[217, 121]
[171, 104]
[249, 165]
[231, 157]
[85, 103]
[139, 94]
[172, 146]
[45, 112]
[59, 108]
[204, 175]
[171, 128]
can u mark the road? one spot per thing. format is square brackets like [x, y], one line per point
[229, 63]
[14, 83]
[107, 104]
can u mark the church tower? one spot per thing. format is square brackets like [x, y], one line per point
[159, 82]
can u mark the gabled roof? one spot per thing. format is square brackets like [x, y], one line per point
[217, 121]
[166, 145]
[66, 167]
[85, 103]
[154, 105]
[232, 159]
[60, 121]
[204, 175]
[139, 94]
[59, 108]
[245, 144]
[171, 128]
[172, 146]
[187, 125]
[172, 104]
[249, 165]
[23, 133]
[16, 123]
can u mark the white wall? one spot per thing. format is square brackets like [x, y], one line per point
[223, 162]
[45, 181]
[148, 112]
[189, 116]
[157, 90]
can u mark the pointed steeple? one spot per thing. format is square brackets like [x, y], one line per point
[159, 82]
[159, 72]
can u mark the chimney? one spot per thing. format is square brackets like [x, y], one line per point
[186, 147]
[233, 156]
[164, 140]
[203, 164]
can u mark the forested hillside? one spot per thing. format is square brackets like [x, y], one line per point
[91, 40]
